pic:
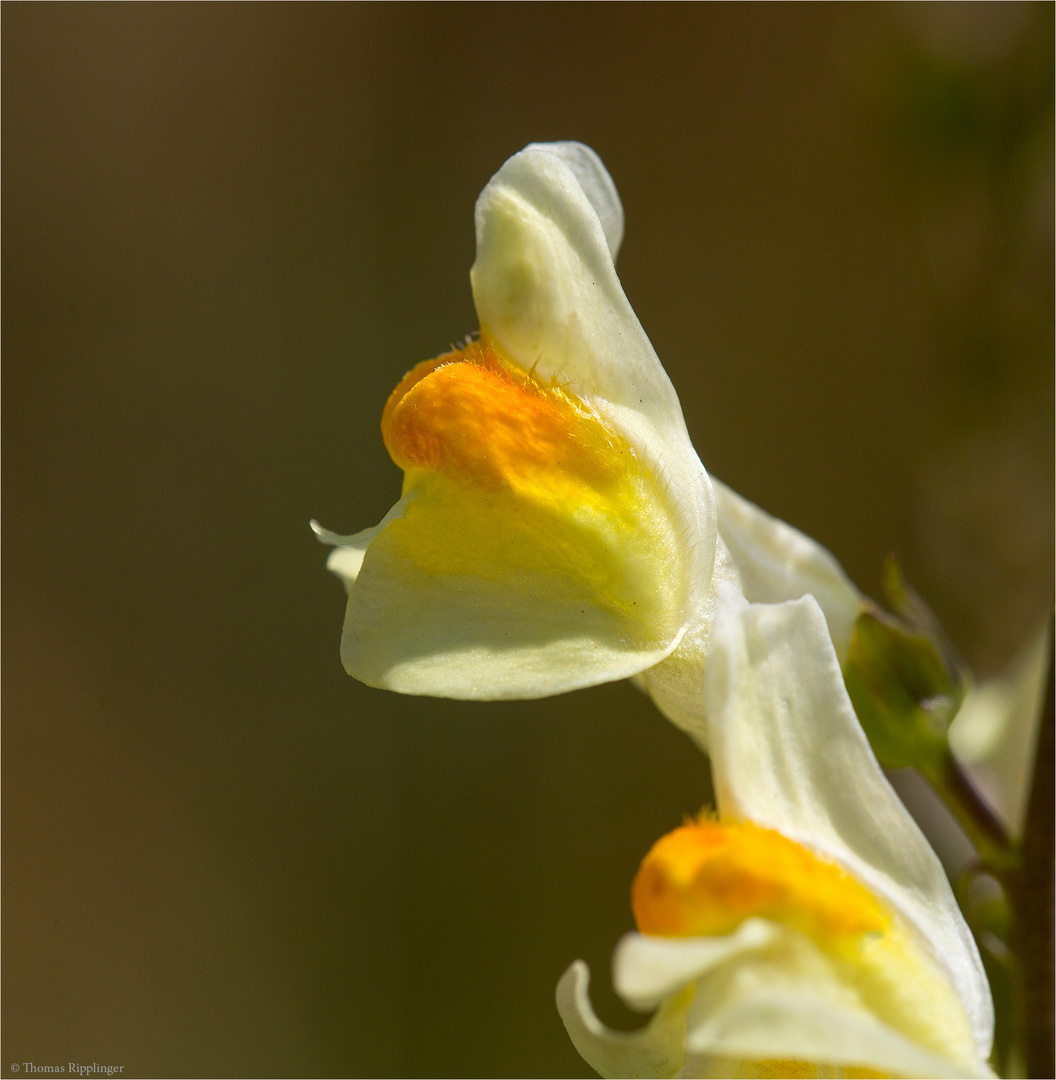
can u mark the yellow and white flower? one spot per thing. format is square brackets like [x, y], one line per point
[809, 929]
[556, 528]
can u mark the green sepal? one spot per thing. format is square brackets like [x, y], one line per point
[904, 679]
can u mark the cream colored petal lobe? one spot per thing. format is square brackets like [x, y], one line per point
[597, 186]
[777, 562]
[794, 1021]
[647, 969]
[345, 562]
[520, 632]
[675, 684]
[655, 1051]
[788, 1000]
[346, 559]
[545, 287]
[768, 561]
[547, 294]
[788, 753]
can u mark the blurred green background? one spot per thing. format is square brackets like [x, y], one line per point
[227, 231]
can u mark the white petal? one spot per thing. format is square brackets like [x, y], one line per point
[777, 562]
[547, 293]
[788, 753]
[995, 730]
[347, 557]
[656, 1050]
[346, 562]
[546, 289]
[597, 185]
[462, 637]
[675, 684]
[648, 969]
[766, 1009]
[767, 561]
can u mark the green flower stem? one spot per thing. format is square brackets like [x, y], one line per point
[1027, 871]
[1032, 893]
[988, 835]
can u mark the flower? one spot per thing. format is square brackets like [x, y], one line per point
[810, 929]
[556, 528]
[995, 732]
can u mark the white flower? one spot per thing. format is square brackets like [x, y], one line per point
[810, 930]
[995, 732]
[556, 527]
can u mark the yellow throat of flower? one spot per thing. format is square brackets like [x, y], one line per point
[518, 481]
[707, 877]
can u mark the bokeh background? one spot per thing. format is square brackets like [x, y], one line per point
[227, 232]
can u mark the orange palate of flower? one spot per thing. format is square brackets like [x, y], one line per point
[707, 877]
[473, 417]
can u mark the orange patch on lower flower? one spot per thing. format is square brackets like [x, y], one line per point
[707, 877]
